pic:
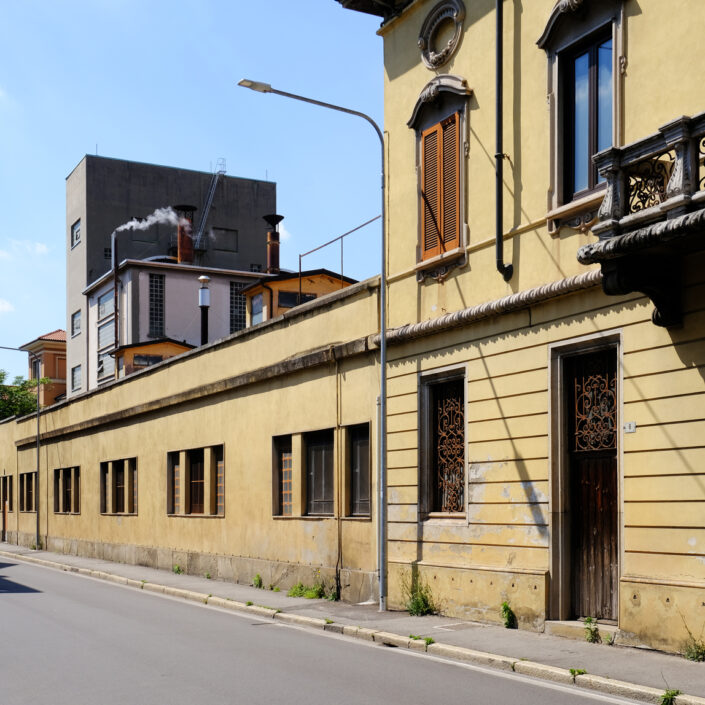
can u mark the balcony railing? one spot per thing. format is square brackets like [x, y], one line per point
[656, 178]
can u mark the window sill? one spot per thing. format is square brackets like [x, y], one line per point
[358, 517]
[75, 335]
[569, 212]
[440, 260]
[28, 511]
[118, 514]
[185, 516]
[68, 514]
[444, 517]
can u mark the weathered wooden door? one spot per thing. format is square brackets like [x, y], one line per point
[591, 398]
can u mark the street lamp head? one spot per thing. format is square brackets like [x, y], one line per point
[255, 85]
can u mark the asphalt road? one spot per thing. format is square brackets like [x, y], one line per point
[65, 638]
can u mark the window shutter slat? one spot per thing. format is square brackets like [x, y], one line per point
[430, 194]
[450, 201]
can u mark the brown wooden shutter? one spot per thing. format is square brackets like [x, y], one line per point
[451, 203]
[430, 193]
[440, 179]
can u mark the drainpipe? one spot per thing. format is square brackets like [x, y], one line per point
[506, 270]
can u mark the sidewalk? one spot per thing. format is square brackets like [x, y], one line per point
[633, 673]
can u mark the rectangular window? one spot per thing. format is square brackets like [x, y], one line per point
[106, 305]
[27, 494]
[76, 233]
[319, 472]
[257, 309]
[106, 335]
[173, 501]
[67, 490]
[225, 239]
[443, 464]
[36, 368]
[283, 466]
[6, 492]
[238, 307]
[156, 305]
[75, 323]
[75, 378]
[359, 466]
[107, 253]
[587, 82]
[106, 366]
[289, 299]
[440, 180]
[118, 486]
[196, 480]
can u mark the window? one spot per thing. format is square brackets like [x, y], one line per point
[238, 307]
[27, 494]
[587, 86]
[107, 253]
[67, 490]
[440, 177]
[75, 378]
[118, 486]
[76, 233]
[36, 368]
[106, 305]
[106, 366]
[443, 444]
[6, 492]
[196, 481]
[283, 466]
[75, 323]
[359, 468]
[289, 299]
[257, 313]
[156, 305]
[319, 472]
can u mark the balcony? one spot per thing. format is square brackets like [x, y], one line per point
[652, 215]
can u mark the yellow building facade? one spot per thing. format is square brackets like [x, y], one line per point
[544, 433]
[247, 456]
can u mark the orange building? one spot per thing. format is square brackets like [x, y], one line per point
[47, 358]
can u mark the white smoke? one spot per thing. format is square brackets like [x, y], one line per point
[161, 216]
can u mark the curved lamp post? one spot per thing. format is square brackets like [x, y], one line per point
[382, 440]
[36, 484]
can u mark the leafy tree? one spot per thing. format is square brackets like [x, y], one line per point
[18, 398]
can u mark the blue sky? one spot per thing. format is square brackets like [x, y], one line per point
[155, 81]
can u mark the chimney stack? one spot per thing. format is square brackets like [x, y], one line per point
[273, 242]
[184, 230]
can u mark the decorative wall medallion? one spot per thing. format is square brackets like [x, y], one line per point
[444, 13]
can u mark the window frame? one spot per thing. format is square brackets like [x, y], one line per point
[210, 483]
[156, 305]
[75, 233]
[427, 482]
[589, 45]
[283, 486]
[315, 440]
[357, 489]
[76, 373]
[6, 494]
[76, 323]
[238, 307]
[67, 490]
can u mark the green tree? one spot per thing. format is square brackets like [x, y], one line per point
[18, 398]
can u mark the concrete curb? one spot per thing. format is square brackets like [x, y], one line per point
[457, 653]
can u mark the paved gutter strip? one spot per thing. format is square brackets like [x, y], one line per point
[457, 653]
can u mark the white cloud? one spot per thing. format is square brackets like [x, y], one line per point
[31, 248]
[6, 306]
[284, 234]
[4, 254]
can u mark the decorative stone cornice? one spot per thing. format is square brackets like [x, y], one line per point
[560, 8]
[506, 304]
[656, 234]
[446, 83]
[452, 10]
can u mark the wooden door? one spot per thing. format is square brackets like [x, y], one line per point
[591, 391]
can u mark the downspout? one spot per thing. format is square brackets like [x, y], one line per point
[506, 270]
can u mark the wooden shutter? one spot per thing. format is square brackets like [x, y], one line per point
[450, 210]
[440, 179]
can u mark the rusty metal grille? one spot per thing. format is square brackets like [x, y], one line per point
[219, 481]
[596, 412]
[285, 493]
[449, 447]
[647, 181]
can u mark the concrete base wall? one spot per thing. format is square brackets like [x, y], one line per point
[355, 585]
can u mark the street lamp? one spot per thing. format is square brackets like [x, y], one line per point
[382, 440]
[204, 301]
[36, 482]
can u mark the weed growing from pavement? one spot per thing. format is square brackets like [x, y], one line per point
[257, 582]
[316, 591]
[207, 576]
[508, 616]
[669, 696]
[694, 648]
[592, 633]
[577, 672]
[429, 640]
[177, 569]
[417, 594]
[249, 603]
